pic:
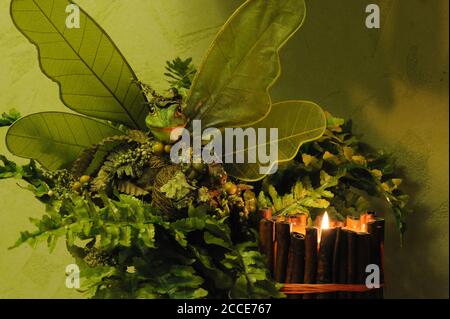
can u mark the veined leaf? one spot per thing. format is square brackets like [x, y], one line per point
[231, 85]
[93, 76]
[55, 139]
[297, 122]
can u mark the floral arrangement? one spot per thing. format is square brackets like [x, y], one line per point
[141, 226]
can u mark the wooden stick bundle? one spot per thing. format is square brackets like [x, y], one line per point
[376, 229]
[296, 261]
[351, 260]
[362, 260]
[310, 258]
[336, 268]
[266, 241]
[282, 241]
[340, 260]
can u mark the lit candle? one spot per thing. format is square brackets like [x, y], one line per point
[325, 221]
[325, 255]
[325, 224]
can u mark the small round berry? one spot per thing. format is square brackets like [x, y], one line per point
[158, 148]
[85, 179]
[230, 188]
[76, 186]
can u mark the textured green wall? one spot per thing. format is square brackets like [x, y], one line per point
[392, 82]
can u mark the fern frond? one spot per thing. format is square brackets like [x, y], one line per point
[128, 187]
[91, 159]
[180, 73]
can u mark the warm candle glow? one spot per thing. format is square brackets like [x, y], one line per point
[325, 222]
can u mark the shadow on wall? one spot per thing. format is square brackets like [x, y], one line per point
[383, 79]
[335, 53]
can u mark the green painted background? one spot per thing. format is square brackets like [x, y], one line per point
[393, 82]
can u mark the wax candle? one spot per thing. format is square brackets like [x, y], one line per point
[325, 254]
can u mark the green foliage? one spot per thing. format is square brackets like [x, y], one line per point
[351, 171]
[90, 160]
[177, 282]
[127, 250]
[55, 139]
[253, 279]
[303, 197]
[123, 244]
[177, 187]
[242, 63]
[9, 169]
[97, 81]
[127, 166]
[93, 76]
[180, 73]
[111, 225]
[30, 173]
[291, 135]
[8, 118]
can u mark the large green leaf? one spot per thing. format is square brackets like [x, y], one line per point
[55, 139]
[94, 77]
[231, 85]
[298, 122]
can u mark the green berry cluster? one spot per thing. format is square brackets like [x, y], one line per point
[141, 153]
[133, 156]
[97, 258]
[59, 180]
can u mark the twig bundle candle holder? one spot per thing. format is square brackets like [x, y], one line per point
[329, 261]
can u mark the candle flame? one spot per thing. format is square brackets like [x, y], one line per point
[325, 221]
